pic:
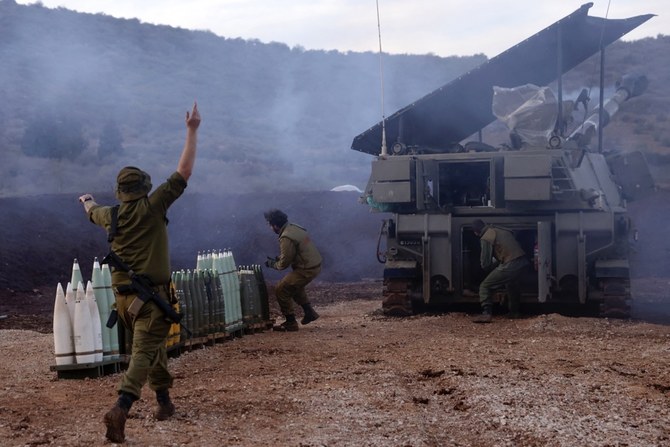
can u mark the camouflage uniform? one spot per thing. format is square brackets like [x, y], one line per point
[298, 251]
[141, 241]
[501, 244]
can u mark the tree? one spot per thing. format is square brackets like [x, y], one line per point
[52, 136]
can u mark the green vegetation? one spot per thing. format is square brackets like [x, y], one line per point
[53, 136]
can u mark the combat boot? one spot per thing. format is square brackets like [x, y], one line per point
[290, 325]
[115, 419]
[485, 317]
[310, 314]
[165, 407]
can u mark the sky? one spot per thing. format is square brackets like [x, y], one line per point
[439, 27]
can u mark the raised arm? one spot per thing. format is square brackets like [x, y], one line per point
[187, 159]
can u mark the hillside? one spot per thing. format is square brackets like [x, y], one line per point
[109, 92]
[268, 110]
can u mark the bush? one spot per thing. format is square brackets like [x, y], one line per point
[50, 136]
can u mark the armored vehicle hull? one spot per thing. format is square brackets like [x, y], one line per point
[564, 200]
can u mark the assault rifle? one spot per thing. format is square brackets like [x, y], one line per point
[142, 286]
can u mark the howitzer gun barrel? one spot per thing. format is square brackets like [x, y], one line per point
[627, 87]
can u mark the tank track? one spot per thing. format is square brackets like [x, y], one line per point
[616, 298]
[397, 301]
[615, 303]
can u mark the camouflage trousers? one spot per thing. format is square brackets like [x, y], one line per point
[292, 288]
[148, 361]
[508, 276]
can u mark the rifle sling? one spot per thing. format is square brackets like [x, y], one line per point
[114, 224]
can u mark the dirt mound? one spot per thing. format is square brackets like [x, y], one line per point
[42, 235]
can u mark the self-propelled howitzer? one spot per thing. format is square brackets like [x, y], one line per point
[564, 199]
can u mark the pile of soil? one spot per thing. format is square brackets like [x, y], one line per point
[355, 377]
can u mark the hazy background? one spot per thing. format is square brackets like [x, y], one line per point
[443, 28]
[273, 117]
[85, 94]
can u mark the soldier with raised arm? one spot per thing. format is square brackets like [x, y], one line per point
[137, 233]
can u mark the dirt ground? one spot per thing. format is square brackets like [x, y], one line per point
[354, 377]
[357, 378]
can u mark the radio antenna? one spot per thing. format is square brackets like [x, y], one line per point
[601, 100]
[381, 78]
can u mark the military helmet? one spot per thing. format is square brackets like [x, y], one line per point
[132, 183]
